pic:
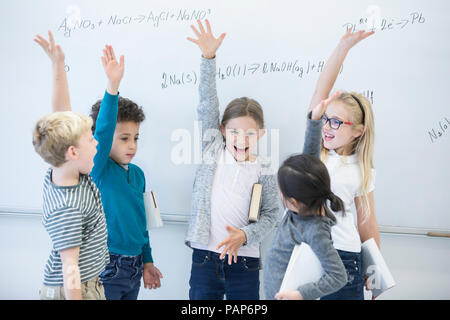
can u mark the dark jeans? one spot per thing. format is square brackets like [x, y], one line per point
[354, 289]
[212, 278]
[122, 277]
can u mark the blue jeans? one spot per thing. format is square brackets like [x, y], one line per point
[212, 278]
[122, 277]
[354, 289]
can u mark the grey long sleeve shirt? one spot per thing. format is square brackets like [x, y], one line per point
[311, 229]
[212, 143]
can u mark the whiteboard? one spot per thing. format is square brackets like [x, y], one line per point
[273, 52]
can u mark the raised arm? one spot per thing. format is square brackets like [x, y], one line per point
[107, 115]
[208, 108]
[334, 63]
[60, 97]
[313, 136]
[114, 70]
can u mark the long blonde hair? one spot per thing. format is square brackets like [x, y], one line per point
[361, 146]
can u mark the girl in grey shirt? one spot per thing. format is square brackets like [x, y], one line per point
[304, 185]
[225, 258]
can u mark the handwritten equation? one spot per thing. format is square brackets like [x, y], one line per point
[292, 67]
[444, 125]
[386, 24]
[155, 19]
[368, 94]
[234, 71]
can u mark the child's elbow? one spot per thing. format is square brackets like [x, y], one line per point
[342, 278]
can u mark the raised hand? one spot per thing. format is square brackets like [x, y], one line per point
[334, 63]
[60, 95]
[113, 69]
[52, 49]
[205, 40]
[350, 39]
[319, 110]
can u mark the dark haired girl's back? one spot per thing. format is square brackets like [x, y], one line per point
[305, 179]
[314, 230]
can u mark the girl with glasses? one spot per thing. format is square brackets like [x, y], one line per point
[347, 151]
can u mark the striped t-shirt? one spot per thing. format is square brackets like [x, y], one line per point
[73, 217]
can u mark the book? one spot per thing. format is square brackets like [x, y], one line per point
[152, 211]
[304, 267]
[255, 203]
[375, 268]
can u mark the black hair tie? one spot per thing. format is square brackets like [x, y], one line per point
[329, 196]
[362, 109]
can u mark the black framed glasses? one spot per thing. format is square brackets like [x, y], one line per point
[334, 123]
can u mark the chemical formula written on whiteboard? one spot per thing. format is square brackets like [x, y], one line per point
[74, 22]
[373, 23]
[234, 71]
[442, 128]
[245, 70]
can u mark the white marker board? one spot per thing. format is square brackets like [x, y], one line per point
[273, 53]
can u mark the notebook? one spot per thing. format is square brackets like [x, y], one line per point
[375, 268]
[304, 267]
[255, 203]
[152, 211]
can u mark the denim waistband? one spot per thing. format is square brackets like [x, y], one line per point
[349, 255]
[124, 259]
[212, 254]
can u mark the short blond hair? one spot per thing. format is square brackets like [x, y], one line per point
[54, 133]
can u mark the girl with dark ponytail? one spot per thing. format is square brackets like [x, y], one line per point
[304, 185]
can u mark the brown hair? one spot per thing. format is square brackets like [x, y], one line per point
[243, 107]
[128, 111]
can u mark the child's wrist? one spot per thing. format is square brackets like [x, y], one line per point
[343, 47]
[58, 64]
[209, 56]
[113, 88]
[314, 117]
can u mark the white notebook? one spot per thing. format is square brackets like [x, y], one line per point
[152, 211]
[375, 268]
[304, 267]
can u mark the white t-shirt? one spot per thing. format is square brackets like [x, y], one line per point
[345, 177]
[230, 201]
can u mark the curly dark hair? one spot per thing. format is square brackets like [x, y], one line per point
[128, 111]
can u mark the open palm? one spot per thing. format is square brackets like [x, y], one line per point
[205, 40]
[53, 50]
[349, 39]
[113, 69]
[319, 110]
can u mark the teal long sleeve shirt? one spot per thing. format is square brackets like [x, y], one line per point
[121, 190]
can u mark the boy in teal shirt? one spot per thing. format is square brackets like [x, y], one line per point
[122, 184]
